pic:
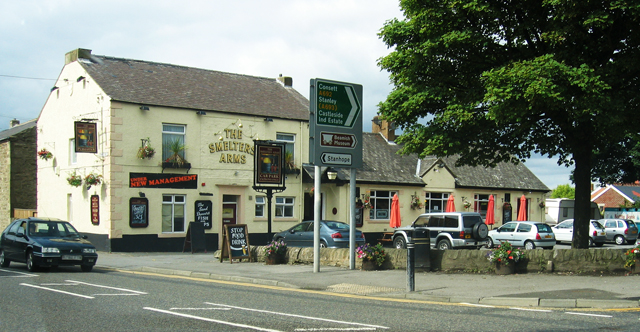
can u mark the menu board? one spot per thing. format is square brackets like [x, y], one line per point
[235, 242]
[95, 209]
[138, 212]
[203, 213]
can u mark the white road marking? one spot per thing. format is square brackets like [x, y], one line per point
[537, 310]
[339, 329]
[298, 316]
[478, 305]
[200, 309]
[108, 287]
[22, 274]
[211, 320]
[58, 291]
[583, 314]
[115, 294]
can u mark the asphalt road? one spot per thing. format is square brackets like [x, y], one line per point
[66, 299]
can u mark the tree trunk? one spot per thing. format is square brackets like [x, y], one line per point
[582, 207]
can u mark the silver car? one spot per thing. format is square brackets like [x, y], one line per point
[527, 234]
[620, 231]
[564, 232]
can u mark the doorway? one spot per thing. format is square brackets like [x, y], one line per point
[229, 209]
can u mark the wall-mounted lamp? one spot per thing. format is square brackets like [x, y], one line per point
[144, 108]
[220, 138]
[80, 78]
[332, 174]
[268, 119]
[441, 165]
[238, 123]
[54, 88]
[141, 194]
[201, 112]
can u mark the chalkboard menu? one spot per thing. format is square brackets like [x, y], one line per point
[195, 237]
[203, 213]
[235, 242]
[138, 212]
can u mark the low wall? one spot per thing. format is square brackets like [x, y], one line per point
[474, 261]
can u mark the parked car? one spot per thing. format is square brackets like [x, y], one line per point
[333, 234]
[447, 230]
[620, 231]
[527, 234]
[564, 232]
[45, 242]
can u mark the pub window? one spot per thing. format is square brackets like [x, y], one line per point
[480, 204]
[284, 207]
[173, 213]
[73, 156]
[289, 140]
[260, 205]
[69, 208]
[172, 134]
[436, 202]
[380, 204]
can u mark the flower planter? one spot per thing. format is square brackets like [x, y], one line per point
[274, 259]
[502, 269]
[635, 269]
[368, 265]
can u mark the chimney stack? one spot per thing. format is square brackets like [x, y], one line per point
[14, 123]
[388, 130]
[286, 81]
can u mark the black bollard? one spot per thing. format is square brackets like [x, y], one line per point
[411, 260]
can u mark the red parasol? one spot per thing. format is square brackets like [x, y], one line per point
[451, 205]
[522, 211]
[394, 221]
[490, 219]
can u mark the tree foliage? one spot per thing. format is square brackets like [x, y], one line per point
[564, 191]
[495, 80]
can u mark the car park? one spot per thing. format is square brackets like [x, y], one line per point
[45, 243]
[564, 232]
[333, 234]
[447, 230]
[527, 234]
[620, 231]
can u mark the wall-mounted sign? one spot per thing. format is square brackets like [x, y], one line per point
[85, 137]
[95, 209]
[268, 162]
[231, 150]
[138, 212]
[203, 213]
[161, 180]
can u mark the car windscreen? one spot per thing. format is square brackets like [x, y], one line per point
[469, 221]
[631, 224]
[544, 228]
[51, 229]
[338, 226]
[597, 224]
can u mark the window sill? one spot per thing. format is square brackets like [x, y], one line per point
[170, 235]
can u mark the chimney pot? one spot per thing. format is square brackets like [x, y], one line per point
[14, 123]
[286, 81]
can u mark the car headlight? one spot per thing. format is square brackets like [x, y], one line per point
[88, 250]
[46, 250]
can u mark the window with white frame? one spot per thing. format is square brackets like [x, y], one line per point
[172, 135]
[480, 204]
[380, 204]
[173, 213]
[436, 202]
[284, 207]
[289, 140]
[260, 205]
[73, 156]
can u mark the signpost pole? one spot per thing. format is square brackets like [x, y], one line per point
[269, 197]
[316, 220]
[352, 226]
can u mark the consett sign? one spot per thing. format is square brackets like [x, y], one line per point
[232, 151]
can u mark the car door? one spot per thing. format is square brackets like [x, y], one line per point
[19, 246]
[506, 233]
[611, 229]
[8, 241]
[564, 231]
[294, 237]
[522, 233]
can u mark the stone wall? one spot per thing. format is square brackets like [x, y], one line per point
[5, 184]
[23, 169]
[475, 261]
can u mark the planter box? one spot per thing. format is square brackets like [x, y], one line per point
[174, 165]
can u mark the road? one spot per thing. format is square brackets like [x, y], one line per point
[66, 299]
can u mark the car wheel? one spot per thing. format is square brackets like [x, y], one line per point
[529, 245]
[31, 266]
[599, 244]
[4, 261]
[86, 268]
[480, 231]
[323, 244]
[620, 240]
[490, 243]
[444, 245]
[399, 243]
[591, 243]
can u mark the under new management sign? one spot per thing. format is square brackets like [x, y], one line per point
[335, 124]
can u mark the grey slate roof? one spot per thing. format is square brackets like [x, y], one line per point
[504, 176]
[160, 84]
[633, 192]
[8, 133]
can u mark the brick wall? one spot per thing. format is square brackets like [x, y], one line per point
[611, 199]
[23, 169]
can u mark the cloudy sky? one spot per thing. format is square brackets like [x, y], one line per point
[331, 39]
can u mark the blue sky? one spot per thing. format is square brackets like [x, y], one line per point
[331, 39]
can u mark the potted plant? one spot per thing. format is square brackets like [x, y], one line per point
[372, 256]
[176, 160]
[289, 164]
[146, 151]
[92, 180]
[274, 252]
[541, 205]
[631, 262]
[415, 202]
[466, 204]
[74, 179]
[505, 258]
[44, 154]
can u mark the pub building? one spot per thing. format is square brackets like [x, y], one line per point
[141, 149]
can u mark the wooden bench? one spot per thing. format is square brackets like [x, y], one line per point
[386, 237]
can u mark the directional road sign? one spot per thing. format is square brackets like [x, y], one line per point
[335, 124]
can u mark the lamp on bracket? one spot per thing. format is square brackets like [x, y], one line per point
[80, 78]
[268, 119]
[332, 173]
[144, 108]
[201, 112]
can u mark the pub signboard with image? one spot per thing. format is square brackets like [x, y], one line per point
[85, 137]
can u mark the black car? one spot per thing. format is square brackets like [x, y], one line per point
[44, 242]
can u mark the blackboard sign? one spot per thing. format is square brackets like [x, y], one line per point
[138, 212]
[235, 242]
[195, 237]
[203, 213]
[506, 213]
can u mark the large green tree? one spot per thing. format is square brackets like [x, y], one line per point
[496, 80]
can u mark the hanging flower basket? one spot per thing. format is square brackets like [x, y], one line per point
[366, 203]
[92, 180]
[506, 206]
[467, 204]
[44, 154]
[416, 204]
[541, 205]
[74, 179]
[146, 152]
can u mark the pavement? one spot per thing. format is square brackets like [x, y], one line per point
[545, 290]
